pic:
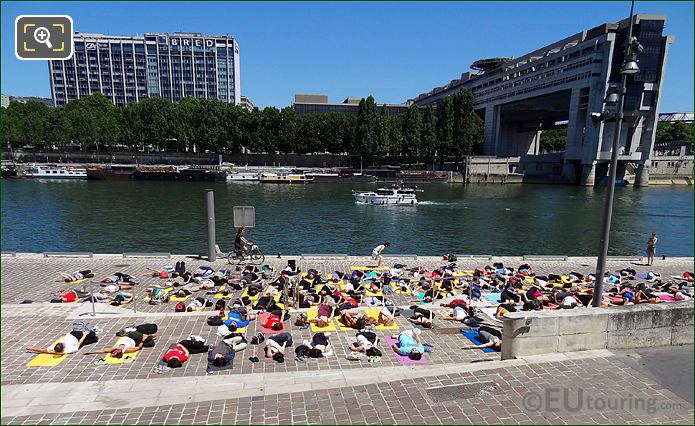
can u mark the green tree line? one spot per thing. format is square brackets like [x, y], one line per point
[93, 122]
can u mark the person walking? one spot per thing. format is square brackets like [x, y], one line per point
[651, 249]
[376, 253]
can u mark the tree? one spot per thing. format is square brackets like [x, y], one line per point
[553, 140]
[428, 134]
[467, 126]
[445, 128]
[412, 129]
[365, 133]
[94, 120]
[675, 131]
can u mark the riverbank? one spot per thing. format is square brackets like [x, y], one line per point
[77, 391]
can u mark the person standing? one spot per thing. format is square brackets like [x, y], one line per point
[651, 249]
[376, 253]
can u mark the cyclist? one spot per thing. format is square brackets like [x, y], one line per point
[241, 243]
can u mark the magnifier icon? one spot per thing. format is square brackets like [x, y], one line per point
[43, 36]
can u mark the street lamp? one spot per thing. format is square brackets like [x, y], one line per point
[628, 67]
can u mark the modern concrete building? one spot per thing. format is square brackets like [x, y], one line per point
[246, 103]
[127, 69]
[309, 104]
[5, 101]
[567, 81]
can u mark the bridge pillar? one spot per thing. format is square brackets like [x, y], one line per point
[588, 175]
[642, 175]
[491, 130]
[569, 172]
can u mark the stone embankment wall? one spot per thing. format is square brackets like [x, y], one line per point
[643, 325]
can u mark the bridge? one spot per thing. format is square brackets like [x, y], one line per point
[566, 82]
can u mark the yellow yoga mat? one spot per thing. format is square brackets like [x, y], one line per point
[47, 360]
[397, 289]
[127, 358]
[373, 294]
[369, 268]
[177, 299]
[312, 314]
[219, 294]
[342, 326]
[374, 313]
[246, 294]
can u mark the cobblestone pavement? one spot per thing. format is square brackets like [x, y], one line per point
[32, 277]
[588, 391]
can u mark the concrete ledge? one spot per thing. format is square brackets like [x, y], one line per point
[545, 258]
[401, 256]
[474, 256]
[623, 327]
[624, 258]
[9, 253]
[146, 255]
[324, 256]
[68, 254]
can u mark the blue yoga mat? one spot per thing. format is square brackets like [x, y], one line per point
[472, 335]
[494, 297]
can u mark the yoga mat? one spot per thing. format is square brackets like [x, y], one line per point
[219, 295]
[342, 326]
[373, 294]
[374, 313]
[403, 360]
[490, 312]
[47, 360]
[397, 290]
[667, 298]
[494, 297]
[368, 268]
[312, 314]
[642, 276]
[246, 294]
[261, 320]
[124, 359]
[173, 298]
[472, 335]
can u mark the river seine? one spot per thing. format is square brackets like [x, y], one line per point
[116, 217]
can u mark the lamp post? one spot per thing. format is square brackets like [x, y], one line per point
[628, 67]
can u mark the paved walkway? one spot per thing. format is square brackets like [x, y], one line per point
[329, 390]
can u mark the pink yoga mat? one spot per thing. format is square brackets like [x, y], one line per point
[403, 359]
[667, 298]
[264, 330]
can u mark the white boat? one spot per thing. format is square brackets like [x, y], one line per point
[387, 196]
[56, 172]
[293, 178]
[243, 177]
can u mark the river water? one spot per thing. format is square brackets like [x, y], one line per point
[116, 217]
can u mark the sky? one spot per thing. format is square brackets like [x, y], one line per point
[392, 51]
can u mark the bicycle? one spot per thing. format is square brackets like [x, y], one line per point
[254, 255]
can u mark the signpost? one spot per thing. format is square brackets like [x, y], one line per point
[244, 217]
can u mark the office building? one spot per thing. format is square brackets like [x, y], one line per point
[246, 103]
[128, 69]
[5, 101]
[310, 104]
[566, 82]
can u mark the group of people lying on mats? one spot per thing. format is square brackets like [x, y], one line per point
[114, 289]
[181, 283]
[129, 340]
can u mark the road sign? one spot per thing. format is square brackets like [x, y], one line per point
[244, 216]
